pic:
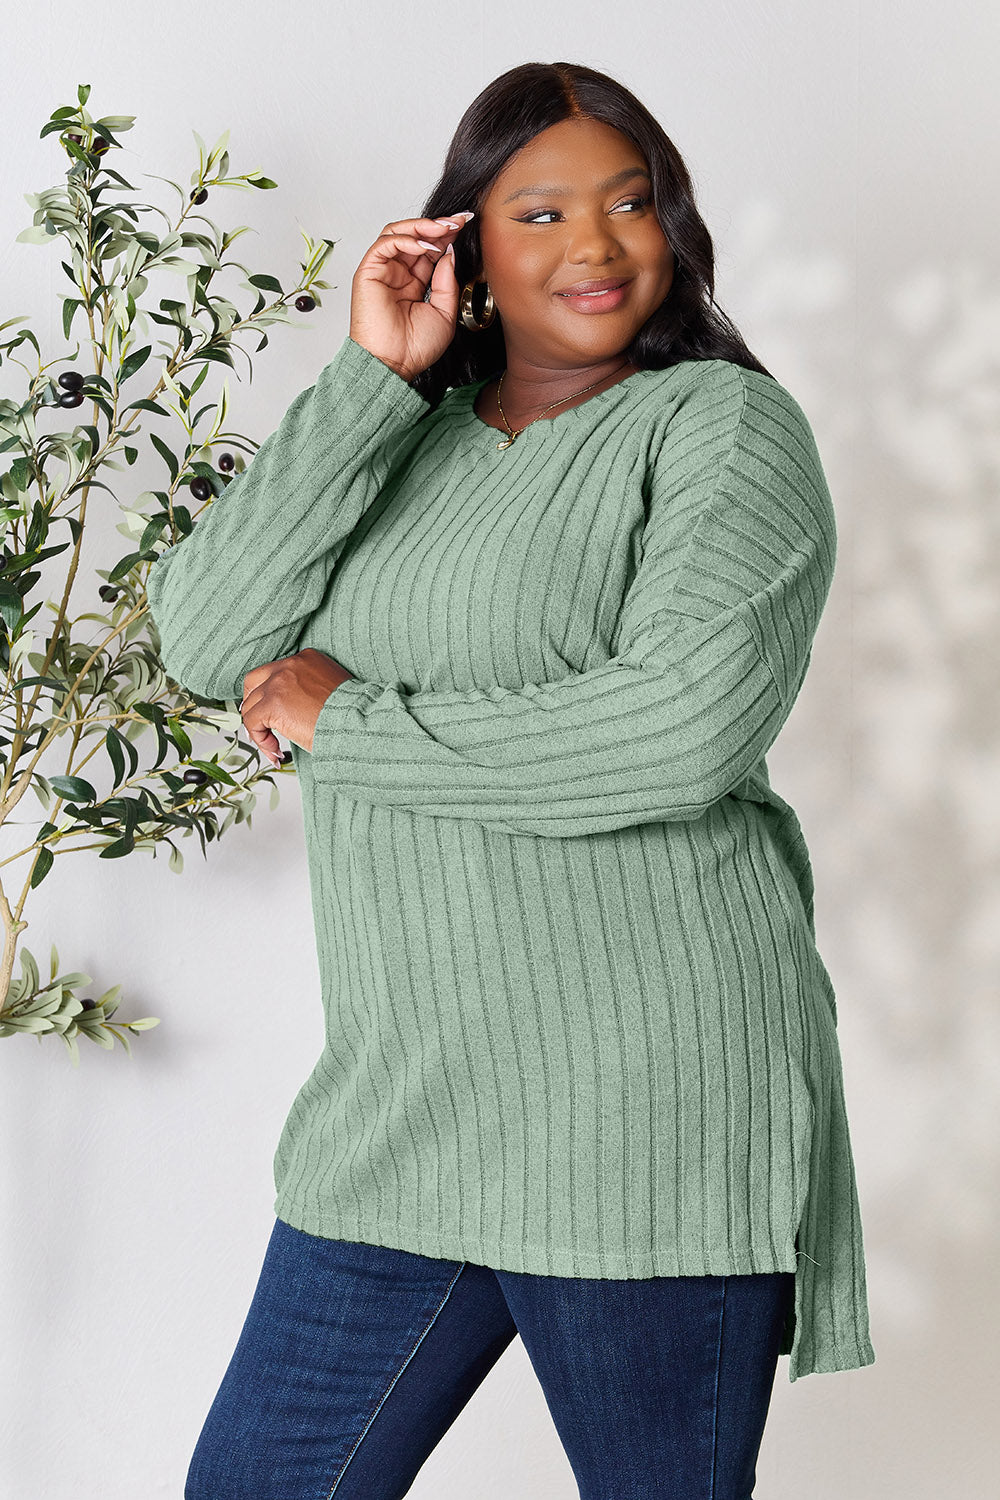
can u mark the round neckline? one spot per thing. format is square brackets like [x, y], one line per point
[463, 400]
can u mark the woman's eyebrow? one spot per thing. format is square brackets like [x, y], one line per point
[562, 192]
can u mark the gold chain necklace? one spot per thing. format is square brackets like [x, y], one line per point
[506, 442]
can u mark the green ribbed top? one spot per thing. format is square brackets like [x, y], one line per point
[575, 1018]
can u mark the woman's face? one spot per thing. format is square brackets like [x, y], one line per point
[574, 204]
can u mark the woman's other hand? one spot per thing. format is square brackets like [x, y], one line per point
[389, 316]
[285, 697]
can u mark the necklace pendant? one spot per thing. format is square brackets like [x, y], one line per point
[506, 442]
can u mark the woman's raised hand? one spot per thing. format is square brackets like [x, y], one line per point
[389, 316]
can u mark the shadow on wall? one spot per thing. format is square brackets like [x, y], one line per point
[901, 381]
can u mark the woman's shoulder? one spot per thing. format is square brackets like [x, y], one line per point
[720, 378]
[723, 396]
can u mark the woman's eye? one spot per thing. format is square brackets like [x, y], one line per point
[536, 217]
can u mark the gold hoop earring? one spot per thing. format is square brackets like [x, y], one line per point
[465, 308]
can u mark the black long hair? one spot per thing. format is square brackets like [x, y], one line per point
[504, 117]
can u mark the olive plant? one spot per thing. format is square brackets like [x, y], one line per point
[89, 687]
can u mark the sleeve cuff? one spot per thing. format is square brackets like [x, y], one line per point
[342, 711]
[369, 380]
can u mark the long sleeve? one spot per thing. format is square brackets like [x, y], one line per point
[236, 591]
[712, 644]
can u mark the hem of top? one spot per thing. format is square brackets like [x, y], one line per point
[842, 1355]
[641, 1265]
[848, 1357]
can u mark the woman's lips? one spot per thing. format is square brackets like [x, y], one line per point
[590, 302]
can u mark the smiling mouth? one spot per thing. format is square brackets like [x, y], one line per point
[600, 291]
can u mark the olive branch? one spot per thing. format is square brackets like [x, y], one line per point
[103, 693]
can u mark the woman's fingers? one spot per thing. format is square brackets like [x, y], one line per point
[403, 308]
[413, 232]
[387, 247]
[390, 244]
[443, 296]
[267, 744]
[265, 739]
[448, 223]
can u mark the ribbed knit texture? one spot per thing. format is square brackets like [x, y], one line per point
[576, 1020]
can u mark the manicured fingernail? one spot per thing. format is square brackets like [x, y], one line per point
[468, 214]
[449, 222]
[427, 245]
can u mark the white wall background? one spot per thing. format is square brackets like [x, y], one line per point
[845, 157]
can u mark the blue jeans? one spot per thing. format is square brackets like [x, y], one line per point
[355, 1359]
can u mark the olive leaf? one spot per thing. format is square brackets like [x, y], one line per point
[137, 761]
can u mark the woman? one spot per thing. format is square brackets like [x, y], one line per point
[529, 578]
